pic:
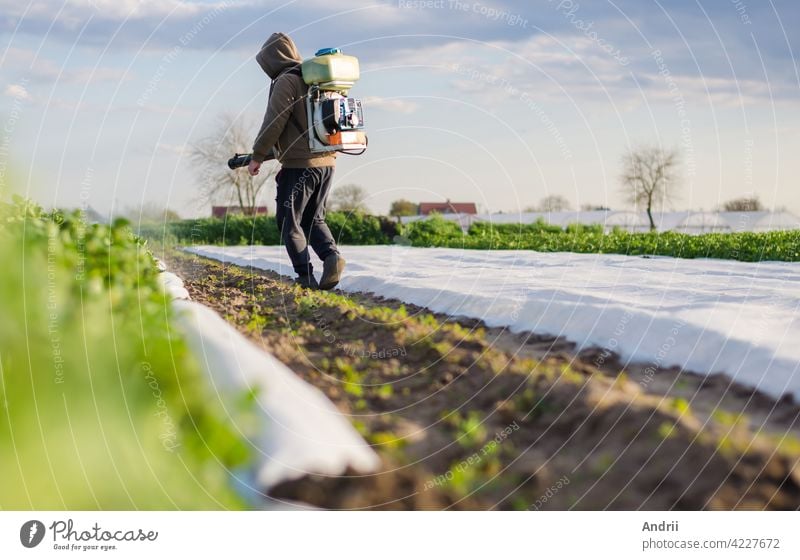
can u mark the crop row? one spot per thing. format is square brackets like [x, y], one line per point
[106, 407]
[359, 229]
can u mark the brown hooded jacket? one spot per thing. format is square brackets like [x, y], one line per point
[287, 97]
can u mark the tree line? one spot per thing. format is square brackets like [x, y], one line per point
[649, 180]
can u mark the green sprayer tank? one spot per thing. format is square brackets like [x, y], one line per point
[331, 70]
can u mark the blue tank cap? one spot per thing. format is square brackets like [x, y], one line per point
[326, 51]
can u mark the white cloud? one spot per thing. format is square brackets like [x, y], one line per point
[392, 104]
[171, 149]
[79, 10]
[17, 91]
[726, 92]
[121, 24]
[25, 62]
[575, 67]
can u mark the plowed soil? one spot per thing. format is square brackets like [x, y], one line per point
[468, 417]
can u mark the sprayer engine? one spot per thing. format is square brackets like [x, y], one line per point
[338, 113]
[336, 122]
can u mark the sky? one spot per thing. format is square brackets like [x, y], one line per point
[495, 102]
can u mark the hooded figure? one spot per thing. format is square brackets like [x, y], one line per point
[286, 124]
[279, 53]
[305, 178]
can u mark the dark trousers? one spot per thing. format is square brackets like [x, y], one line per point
[300, 214]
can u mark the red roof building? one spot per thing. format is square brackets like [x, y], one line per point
[447, 207]
[222, 211]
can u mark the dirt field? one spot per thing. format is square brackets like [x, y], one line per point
[467, 417]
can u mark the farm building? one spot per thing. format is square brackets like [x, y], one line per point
[447, 207]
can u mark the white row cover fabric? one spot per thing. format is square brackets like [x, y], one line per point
[704, 315]
[301, 431]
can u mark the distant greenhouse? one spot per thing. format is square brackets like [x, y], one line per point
[703, 222]
[683, 222]
[763, 221]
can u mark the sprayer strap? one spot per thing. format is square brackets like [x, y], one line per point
[297, 71]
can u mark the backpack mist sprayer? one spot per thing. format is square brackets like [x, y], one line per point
[335, 121]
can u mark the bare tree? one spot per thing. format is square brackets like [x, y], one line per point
[219, 184]
[649, 178]
[349, 198]
[743, 204]
[554, 203]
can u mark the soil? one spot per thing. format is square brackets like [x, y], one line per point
[469, 417]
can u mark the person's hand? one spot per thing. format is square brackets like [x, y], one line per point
[253, 167]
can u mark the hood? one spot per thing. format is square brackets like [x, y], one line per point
[278, 54]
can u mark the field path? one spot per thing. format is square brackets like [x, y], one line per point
[703, 315]
[468, 416]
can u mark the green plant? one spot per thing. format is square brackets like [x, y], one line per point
[471, 431]
[742, 246]
[348, 228]
[436, 231]
[432, 232]
[106, 407]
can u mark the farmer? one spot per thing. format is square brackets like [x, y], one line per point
[304, 181]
